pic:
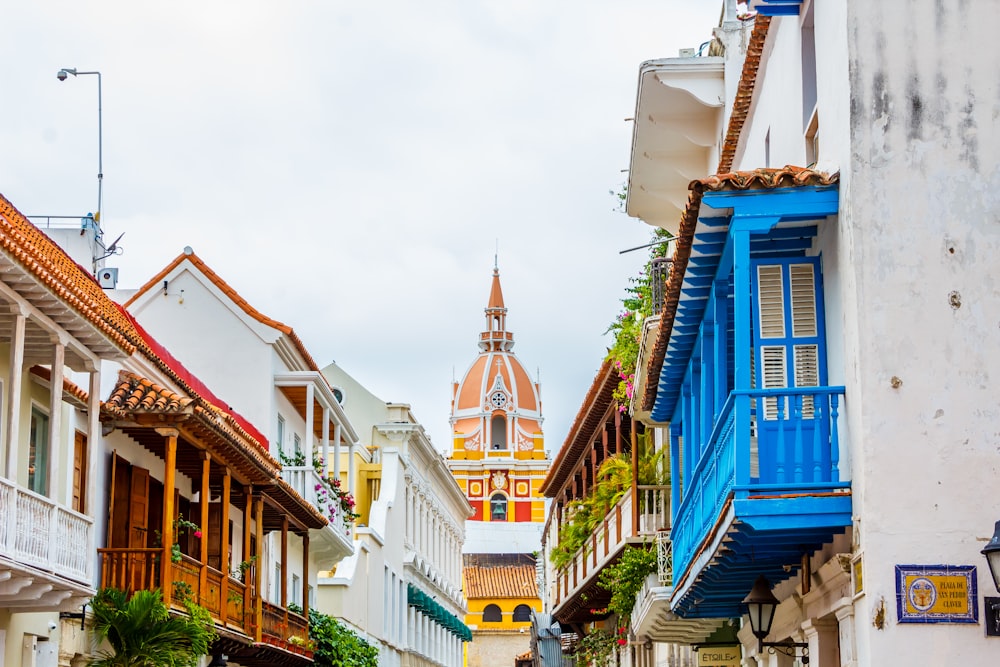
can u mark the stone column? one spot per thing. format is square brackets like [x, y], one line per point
[844, 611]
[821, 635]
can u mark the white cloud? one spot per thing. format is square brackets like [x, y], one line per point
[348, 167]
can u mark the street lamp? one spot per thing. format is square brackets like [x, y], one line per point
[992, 553]
[761, 605]
[62, 75]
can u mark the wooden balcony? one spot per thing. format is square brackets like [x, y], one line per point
[46, 549]
[575, 591]
[765, 489]
[231, 603]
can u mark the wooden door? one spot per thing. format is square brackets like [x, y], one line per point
[79, 472]
[138, 509]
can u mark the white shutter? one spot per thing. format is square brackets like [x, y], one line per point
[773, 375]
[770, 301]
[807, 374]
[803, 288]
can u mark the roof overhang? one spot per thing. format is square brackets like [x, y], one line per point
[776, 7]
[678, 120]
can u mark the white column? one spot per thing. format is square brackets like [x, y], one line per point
[351, 475]
[310, 420]
[844, 610]
[55, 412]
[821, 635]
[326, 442]
[336, 451]
[93, 441]
[14, 388]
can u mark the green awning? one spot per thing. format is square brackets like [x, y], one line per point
[430, 607]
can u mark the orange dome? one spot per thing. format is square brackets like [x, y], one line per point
[496, 385]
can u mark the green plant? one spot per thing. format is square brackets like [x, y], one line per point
[595, 648]
[180, 525]
[627, 328]
[241, 569]
[296, 459]
[334, 645]
[625, 578]
[614, 478]
[141, 632]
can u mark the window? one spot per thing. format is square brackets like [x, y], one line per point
[311, 592]
[498, 432]
[492, 614]
[297, 445]
[276, 584]
[281, 433]
[338, 394]
[38, 452]
[522, 613]
[498, 507]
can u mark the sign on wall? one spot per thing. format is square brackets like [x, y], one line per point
[936, 594]
[718, 656]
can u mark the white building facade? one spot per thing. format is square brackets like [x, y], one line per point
[407, 560]
[822, 368]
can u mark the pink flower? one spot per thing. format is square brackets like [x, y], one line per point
[197, 534]
[622, 641]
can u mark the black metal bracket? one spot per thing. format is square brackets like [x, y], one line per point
[82, 615]
[992, 616]
[788, 648]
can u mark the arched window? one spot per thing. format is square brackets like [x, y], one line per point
[522, 613]
[492, 614]
[498, 432]
[498, 507]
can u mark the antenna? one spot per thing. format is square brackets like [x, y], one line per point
[496, 253]
[112, 249]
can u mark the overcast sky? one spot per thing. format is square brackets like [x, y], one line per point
[349, 168]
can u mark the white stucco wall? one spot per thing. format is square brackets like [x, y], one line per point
[908, 99]
[220, 345]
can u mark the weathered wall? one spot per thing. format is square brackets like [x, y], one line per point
[921, 215]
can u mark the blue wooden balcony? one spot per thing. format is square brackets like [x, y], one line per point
[765, 490]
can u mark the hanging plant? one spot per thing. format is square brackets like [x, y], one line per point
[637, 305]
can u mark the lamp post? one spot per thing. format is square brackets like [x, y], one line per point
[992, 553]
[62, 75]
[761, 605]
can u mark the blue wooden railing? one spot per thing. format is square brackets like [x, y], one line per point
[797, 451]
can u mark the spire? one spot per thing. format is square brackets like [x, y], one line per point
[496, 337]
[496, 294]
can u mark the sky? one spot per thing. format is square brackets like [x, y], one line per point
[353, 169]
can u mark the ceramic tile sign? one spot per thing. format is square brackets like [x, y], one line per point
[936, 594]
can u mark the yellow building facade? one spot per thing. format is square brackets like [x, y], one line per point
[499, 462]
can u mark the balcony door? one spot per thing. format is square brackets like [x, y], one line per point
[789, 352]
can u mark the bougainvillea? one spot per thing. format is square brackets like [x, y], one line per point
[637, 305]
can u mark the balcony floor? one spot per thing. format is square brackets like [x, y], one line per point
[756, 536]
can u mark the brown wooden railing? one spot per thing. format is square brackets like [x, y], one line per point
[227, 599]
[130, 570]
[284, 628]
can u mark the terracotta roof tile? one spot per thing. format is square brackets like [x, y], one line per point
[758, 179]
[70, 390]
[485, 576]
[137, 394]
[744, 93]
[588, 419]
[226, 289]
[43, 257]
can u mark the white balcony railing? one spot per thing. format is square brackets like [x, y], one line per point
[308, 483]
[626, 522]
[37, 531]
